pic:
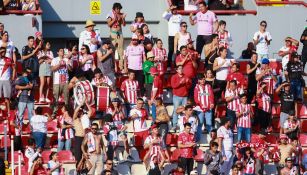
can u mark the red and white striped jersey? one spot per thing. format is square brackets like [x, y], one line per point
[264, 102]
[113, 137]
[69, 133]
[99, 81]
[139, 123]
[5, 68]
[268, 79]
[156, 148]
[160, 54]
[203, 96]
[117, 117]
[130, 88]
[250, 166]
[244, 121]
[224, 39]
[232, 105]
[158, 86]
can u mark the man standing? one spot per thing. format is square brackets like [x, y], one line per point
[286, 51]
[90, 37]
[130, 89]
[116, 20]
[29, 58]
[262, 40]
[59, 67]
[225, 137]
[106, 60]
[207, 24]
[286, 150]
[93, 148]
[186, 144]
[181, 85]
[188, 117]
[174, 19]
[185, 59]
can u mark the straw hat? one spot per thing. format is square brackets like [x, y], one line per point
[89, 23]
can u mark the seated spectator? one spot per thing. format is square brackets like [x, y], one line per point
[37, 167]
[109, 168]
[28, 5]
[31, 154]
[237, 76]
[225, 39]
[213, 158]
[187, 117]
[289, 167]
[291, 126]
[248, 52]
[249, 162]
[65, 130]
[213, 135]
[54, 165]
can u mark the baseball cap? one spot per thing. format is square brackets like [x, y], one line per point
[288, 159]
[283, 136]
[154, 126]
[265, 61]
[190, 41]
[38, 33]
[150, 55]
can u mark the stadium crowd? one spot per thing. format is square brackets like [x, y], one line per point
[129, 84]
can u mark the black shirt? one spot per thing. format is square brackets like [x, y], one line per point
[252, 76]
[247, 54]
[295, 70]
[287, 102]
[31, 62]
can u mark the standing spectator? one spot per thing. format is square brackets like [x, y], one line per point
[162, 118]
[225, 39]
[287, 102]
[244, 114]
[160, 57]
[130, 89]
[116, 20]
[236, 75]
[251, 69]
[285, 52]
[25, 100]
[147, 33]
[304, 50]
[65, 130]
[30, 153]
[221, 66]
[211, 51]
[289, 168]
[188, 117]
[29, 58]
[294, 74]
[261, 151]
[263, 116]
[73, 61]
[138, 115]
[106, 60]
[291, 126]
[147, 65]
[54, 165]
[89, 37]
[39, 127]
[225, 136]
[93, 149]
[207, 24]
[262, 40]
[204, 99]
[6, 76]
[213, 159]
[266, 75]
[86, 62]
[213, 135]
[10, 51]
[186, 144]
[286, 150]
[174, 19]
[232, 96]
[249, 51]
[181, 85]
[134, 58]
[189, 65]
[181, 38]
[60, 67]
[156, 90]
[138, 22]
[45, 57]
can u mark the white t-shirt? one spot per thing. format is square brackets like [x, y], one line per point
[85, 120]
[227, 136]
[60, 76]
[173, 22]
[262, 46]
[222, 72]
[189, 5]
[10, 49]
[38, 123]
[192, 120]
[52, 164]
[139, 123]
[88, 64]
[285, 59]
[31, 155]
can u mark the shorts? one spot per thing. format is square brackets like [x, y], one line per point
[5, 88]
[283, 118]
[139, 137]
[44, 70]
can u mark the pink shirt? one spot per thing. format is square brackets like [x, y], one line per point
[134, 56]
[205, 22]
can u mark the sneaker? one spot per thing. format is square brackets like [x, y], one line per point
[41, 100]
[47, 100]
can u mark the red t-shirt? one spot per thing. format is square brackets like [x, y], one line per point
[185, 138]
[239, 77]
[40, 171]
[180, 89]
[188, 67]
[158, 85]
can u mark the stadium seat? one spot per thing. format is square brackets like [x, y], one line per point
[23, 170]
[200, 156]
[243, 65]
[45, 156]
[8, 141]
[303, 126]
[53, 143]
[26, 128]
[52, 127]
[221, 111]
[302, 110]
[24, 141]
[271, 139]
[276, 110]
[16, 157]
[303, 139]
[175, 155]
[275, 124]
[171, 139]
[66, 156]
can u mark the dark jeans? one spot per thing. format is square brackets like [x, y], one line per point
[231, 115]
[77, 148]
[139, 76]
[201, 40]
[18, 143]
[252, 90]
[296, 88]
[40, 139]
[186, 164]
[170, 50]
[263, 118]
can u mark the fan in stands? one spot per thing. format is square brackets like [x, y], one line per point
[151, 110]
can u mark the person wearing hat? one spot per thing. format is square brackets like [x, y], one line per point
[262, 39]
[90, 37]
[266, 75]
[294, 73]
[181, 38]
[105, 60]
[289, 168]
[138, 22]
[286, 101]
[286, 150]
[291, 45]
[116, 20]
[174, 19]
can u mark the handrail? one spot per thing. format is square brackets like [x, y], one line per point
[264, 3]
[222, 12]
[38, 11]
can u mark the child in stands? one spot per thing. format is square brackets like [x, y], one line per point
[54, 165]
